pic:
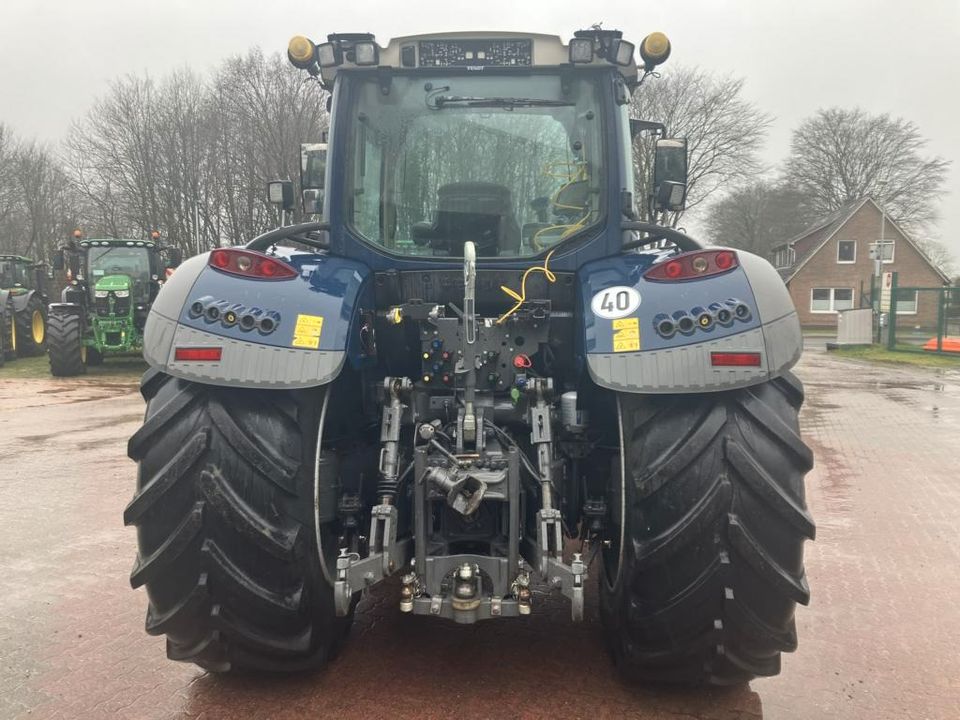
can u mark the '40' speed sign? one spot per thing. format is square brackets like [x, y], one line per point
[615, 302]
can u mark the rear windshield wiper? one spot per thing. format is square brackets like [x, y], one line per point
[507, 103]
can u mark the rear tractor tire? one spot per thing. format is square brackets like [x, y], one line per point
[9, 331]
[32, 328]
[226, 528]
[714, 520]
[65, 344]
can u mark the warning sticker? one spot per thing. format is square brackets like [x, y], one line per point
[626, 334]
[307, 332]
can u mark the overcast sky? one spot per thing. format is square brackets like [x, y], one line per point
[797, 56]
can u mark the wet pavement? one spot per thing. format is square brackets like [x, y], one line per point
[879, 639]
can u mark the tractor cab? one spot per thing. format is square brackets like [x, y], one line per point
[19, 274]
[23, 306]
[517, 143]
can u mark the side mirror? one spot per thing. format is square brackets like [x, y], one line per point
[174, 257]
[313, 201]
[58, 263]
[670, 174]
[74, 265]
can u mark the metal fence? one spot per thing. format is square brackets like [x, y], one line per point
[922, 319]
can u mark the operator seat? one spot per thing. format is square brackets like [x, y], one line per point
[477, 211]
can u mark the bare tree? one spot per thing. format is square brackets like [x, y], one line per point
[10, 217]
[36, 203]
[190, 156]
[758, 216]
[840, 155]
[44, 193]
[724, 131]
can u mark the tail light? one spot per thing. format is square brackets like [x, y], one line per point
[198, 354]
[248, 263]
[694, 265]
[735, 359]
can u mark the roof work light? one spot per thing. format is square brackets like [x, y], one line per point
[581, 50]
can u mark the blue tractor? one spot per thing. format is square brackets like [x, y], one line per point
[480, 370]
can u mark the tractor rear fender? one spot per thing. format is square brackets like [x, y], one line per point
[64, 308]
[627, 349]
[303, 328]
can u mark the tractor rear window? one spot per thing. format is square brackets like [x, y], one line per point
[512, 163]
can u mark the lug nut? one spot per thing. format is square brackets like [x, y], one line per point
[524, 601]
[407, 592]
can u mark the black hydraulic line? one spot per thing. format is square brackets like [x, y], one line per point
[659, 232]
[293, 232]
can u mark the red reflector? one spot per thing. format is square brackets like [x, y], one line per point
[205, 354]
[734, 359]
[673, 269]
[521, 361]
[725, 260]
[268, 268]
[219, 258]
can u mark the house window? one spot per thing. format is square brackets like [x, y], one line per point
[783, 258]
[842, 298]
[830, 300]
[885, 248]
[846, 251]
[907, 302]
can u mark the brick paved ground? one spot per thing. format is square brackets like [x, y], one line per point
[878, 641]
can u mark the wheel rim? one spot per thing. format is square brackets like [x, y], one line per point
[13, 334]
[616, 555]
[39, 327]
[327, 574]
[83, 354]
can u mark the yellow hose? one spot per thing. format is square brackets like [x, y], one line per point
[521, 297]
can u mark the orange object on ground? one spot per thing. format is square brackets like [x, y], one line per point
[950, 344]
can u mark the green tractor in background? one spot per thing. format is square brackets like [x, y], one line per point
[23, 307]
[111, 284]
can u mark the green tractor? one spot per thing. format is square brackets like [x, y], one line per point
[23, 307]
[111, 284]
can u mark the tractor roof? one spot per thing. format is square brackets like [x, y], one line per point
[468, 51]
[15, 258]
[116, 242]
